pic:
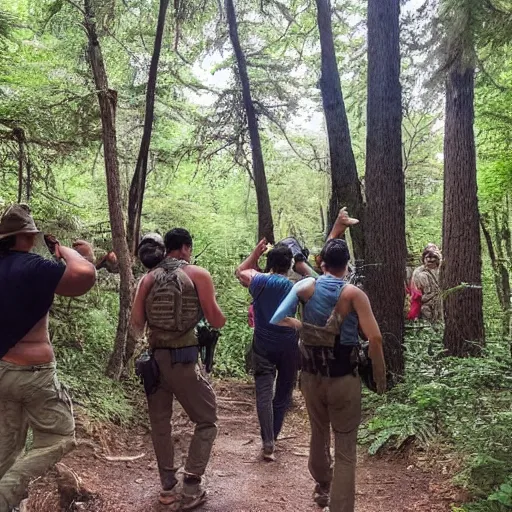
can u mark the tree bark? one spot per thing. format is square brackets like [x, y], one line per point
[265, 222]
[346, 189]
[385, 243]
[19, 135]
[500, 264]
[464, 326]
[107, 99]
[138, 184]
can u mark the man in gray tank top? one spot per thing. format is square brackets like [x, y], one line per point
[332, 310]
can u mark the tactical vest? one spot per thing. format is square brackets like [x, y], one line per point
[172, 307]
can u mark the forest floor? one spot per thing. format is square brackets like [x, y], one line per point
[237, 480]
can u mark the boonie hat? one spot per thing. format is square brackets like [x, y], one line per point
[16, 220]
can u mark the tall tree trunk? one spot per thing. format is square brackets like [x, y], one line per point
[500, 271]
[19, 135]
[265, 222]
[138, 185]
[107, 99]
[385, 244]
[464, 325]
[346, 189]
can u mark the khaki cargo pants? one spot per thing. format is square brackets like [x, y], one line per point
[336, 402]
[31, 396]
[184, 382]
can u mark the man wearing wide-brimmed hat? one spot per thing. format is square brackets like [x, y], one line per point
[30, 393]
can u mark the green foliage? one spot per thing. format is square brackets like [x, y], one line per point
[459, 402]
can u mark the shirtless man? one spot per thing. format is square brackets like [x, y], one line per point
[30, 393]
[171, 299]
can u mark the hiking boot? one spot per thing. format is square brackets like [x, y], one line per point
[194, 494]
[267, 452]
[170, 497]
[169, 493]
[321, 494]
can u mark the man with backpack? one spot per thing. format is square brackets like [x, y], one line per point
[332, 311]
[171, 300]
[30, 392]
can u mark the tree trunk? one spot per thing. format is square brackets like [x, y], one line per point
[265, 222]
[346, 189]
[19, 135]
[385, 244]
[107, 99]
[138, 185]
[464, 325]
[500, 264]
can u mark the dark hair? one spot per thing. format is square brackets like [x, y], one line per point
[335, 254]
[151, 253]
[6, 244]
[176, 238]
[279, 259]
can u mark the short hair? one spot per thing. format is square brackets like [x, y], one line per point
[279, 259]
[335, 254]
[176, 238]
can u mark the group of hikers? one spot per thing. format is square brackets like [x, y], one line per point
[171, 299]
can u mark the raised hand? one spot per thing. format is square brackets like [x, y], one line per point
[344, 219]
[260, 248]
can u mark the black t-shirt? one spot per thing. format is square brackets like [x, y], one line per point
[27, 288]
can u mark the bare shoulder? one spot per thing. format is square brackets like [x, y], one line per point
[353, 292]
[195, 272]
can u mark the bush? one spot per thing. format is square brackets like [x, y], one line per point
[461, 402]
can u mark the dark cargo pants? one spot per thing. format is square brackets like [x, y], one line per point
[185, 382]
[275, 376]
[31, 396]
[336, 402]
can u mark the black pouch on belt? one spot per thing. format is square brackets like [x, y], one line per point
[146, 368]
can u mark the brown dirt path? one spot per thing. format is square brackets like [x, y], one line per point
[237, 480]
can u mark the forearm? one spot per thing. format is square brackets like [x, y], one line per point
[75, 260]
[286, 309]
[250, 263]
[290, 322]
[376, 354]
[337, 231]
[137, 328]
[302, 268]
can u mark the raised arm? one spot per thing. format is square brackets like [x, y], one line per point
[79, 276]
[249, 267]
[342, 222]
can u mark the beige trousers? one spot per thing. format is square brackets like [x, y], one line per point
[333, 402]
[31, 396]
[196, 396]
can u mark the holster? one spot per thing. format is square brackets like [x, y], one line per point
[146, 368]
[207, 339]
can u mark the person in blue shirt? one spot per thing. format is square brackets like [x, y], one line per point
[274, 350]
[332, 311]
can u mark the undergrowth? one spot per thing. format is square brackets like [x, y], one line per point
[463, 403]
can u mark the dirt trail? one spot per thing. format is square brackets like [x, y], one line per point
[237, 480]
